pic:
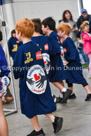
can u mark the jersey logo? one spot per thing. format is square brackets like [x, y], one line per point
[40, 49]
[36, 77]
[46, 59]
[58, 40]
[15, 48]
[37, 44]
[65, 50]
[39, 55]
[28, 56]
[36, 80]
[46, 47]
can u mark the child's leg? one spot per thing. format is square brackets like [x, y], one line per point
[87, 88]
[8, 97]
[70, 87]
[66, 92]
[3, 122]
[89, 56]
[58, 85]
[51, 117]
[35, 123]
[56, 121]
[85, 57]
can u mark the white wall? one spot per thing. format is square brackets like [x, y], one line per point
[36, 8]
[44, 8]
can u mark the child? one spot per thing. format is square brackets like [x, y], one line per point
[5, 81]
[86, 37]
[42, 43]
[74, 67]
[56, 72]
[13, 44]
[35, 93]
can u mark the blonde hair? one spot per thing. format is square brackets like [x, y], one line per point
[25, 26]
[83, 26]
[64, 28]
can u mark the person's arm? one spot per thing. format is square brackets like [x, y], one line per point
[54, 46]
[86, 37]
[4, 71]
[18, 67]
[72, 52]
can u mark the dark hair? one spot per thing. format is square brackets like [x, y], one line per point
[37, 24]
[50, 22]
[12, 32]
[64, 18]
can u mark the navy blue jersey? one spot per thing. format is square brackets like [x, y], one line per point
[13, 45]
[42, 43]
[54, 43]
[74, 67]
[35, 93]
[3, 64]
[56, 71]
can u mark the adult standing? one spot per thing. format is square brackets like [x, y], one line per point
[84, 17]
[68, 18]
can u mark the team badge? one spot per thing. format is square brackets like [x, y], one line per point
[65, 50]
[36, 80]
[46, 47]
[39, 55]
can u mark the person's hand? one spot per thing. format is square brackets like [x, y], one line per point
[5, 81]
[66, 62]
[30, 81]
[41, 81]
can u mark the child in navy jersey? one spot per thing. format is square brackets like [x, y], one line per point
[56, 74]
[35, 93]
[13, 44]
[4, 81]
[73, 65]
[42, 43]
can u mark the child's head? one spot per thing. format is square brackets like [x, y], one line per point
[85, 27]
[24, 28]
[13, 33]
[63, 29]
[48, 24]
[37, 24]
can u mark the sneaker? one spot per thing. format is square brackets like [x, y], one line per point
[57, 125]
[37, 133]
[73, 96]
[66, 95]
[88, 98]
[60, 100]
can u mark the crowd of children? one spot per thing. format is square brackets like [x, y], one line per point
[41, 59]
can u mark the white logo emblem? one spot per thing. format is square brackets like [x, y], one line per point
[36, 80]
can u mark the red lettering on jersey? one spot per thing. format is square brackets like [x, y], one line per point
[46, 47]
[65, 50]
[39, 55]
